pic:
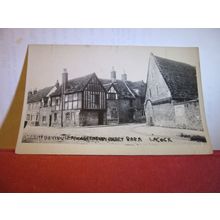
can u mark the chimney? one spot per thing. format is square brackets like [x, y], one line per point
[64, 78]
[124, 77]
[35, 91]
[30, 93]
[113, 75]
[57, 84]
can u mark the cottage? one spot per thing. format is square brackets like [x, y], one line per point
[125, 99]
[172, 94]
[38, 102]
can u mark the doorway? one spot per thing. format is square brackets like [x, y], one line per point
[50, 119]
[101, 118]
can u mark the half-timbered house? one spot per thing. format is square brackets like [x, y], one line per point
[78, 102]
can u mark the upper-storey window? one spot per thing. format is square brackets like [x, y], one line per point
[112, 94]
[96, 96]
[55, 103]
[73, 101]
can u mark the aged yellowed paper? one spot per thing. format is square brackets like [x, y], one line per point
[113, 100]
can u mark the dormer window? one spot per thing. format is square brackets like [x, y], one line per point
[137, 91]
[112, 94]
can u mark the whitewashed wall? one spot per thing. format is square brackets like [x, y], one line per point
[13, 44]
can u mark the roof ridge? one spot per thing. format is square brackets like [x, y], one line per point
[173, 61]
[129, 89]
[80, 77]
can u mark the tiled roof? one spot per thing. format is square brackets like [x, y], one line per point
[120, 87]
[74, 85]
[126, 89]
[180, 78]
[39, 95]
[138, 87]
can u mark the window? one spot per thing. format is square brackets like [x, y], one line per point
[28, 117]
[44, 118]
[70, 105]
[74, 97]
[73, 101]
[96, 96]
[67, 116]
[57, 101]
[150, 93]
[75, 104]
[66, 105]
[157, 90]
[131, 103]
[45, 101]
[112, 94]
[55, 116]
[37, 117]
[57, 108]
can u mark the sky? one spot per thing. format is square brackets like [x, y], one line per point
[46, 63]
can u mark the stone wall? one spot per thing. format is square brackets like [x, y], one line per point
[164, 115]
[45, 113]
[139, 115]
[179, 115]
[91, 117]
[192, 115]
[71, 118]
[112, 112]
[124, 110]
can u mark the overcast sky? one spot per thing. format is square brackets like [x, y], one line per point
[46, 63]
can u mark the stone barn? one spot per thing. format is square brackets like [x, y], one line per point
[172, 95]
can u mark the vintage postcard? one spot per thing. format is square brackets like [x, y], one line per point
[113, 100]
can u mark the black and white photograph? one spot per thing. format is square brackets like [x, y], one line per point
[113, 100]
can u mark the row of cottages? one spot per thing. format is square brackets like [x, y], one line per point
[86, 101]
[38, 102]
[172, 94]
